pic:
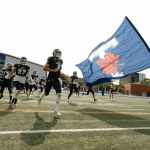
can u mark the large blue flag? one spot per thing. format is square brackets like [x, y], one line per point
[124, 53]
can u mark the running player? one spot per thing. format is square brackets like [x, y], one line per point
[21, 71]
[7, 81]
[90, 89]
[53, 67]
[73, 85]
[32, 83]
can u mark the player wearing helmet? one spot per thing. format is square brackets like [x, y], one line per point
[7, 80]
[21, 71]
[73, 85]
[32, 83]
[53, 67]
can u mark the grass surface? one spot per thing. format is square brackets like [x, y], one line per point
[82, 113]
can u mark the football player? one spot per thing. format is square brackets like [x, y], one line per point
[21, 71]
[73, 85]
[90, 89]
[53, 67]
[41, 85]
[111, 91]
[32, 83]
[7, 80]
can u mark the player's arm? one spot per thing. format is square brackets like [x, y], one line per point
[28, 74]
[13, 72]
[70, 80]
[12, 75]
[47, 68]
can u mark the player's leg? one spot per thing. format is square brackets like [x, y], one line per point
[46, 91]
[2, 90]
[93, 94]
[26, 88]
[57, 86]
[76, 90]
[34, 89]
[88, 91]
[71, 91]
[29, 90]
[19, 87]
[10, 91]
[110, 94]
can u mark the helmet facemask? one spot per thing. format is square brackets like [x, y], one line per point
[23, 60]
[75, 74]
[57, 53]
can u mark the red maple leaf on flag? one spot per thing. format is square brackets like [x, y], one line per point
[108, 65]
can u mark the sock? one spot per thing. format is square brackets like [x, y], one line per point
[10, 98]
[14, 100]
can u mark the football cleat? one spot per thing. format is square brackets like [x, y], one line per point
[57, 114]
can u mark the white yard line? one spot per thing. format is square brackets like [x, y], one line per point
[74, 103]
[72, 130]
[132, 109]
[99, 121]
[78, 112]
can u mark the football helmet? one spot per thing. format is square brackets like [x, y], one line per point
[23, 60]
[75, 73]
[9, 65]
[57, 53]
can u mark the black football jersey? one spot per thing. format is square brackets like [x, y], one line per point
[54, 63]
[21, 70]
[2, 75]
[74, 79]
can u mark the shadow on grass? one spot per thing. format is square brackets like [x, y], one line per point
[26, 98]
[118, 119]
[39, 124]
[5, 111]
[72, 104]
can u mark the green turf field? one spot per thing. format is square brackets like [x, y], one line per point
[84, 125]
